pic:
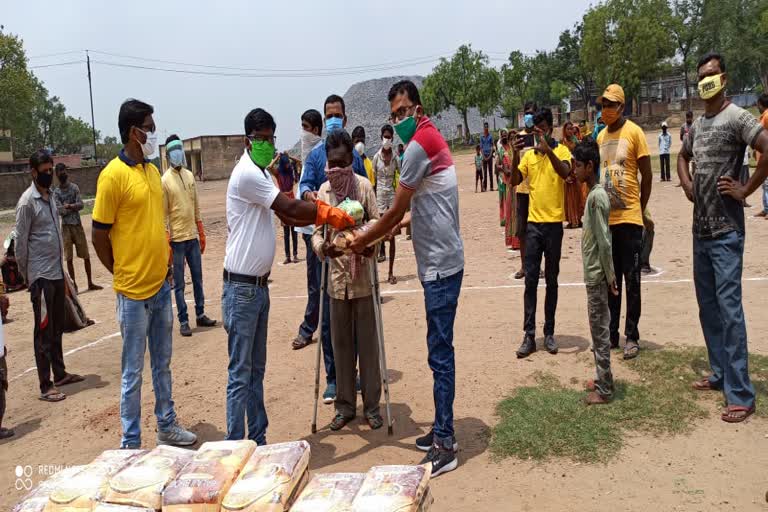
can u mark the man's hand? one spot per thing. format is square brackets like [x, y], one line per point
[687, 187]
[334, 217]
[543, 146]
[727, 186]
[330, 250]
[310, 196]
[571, 179]
[648, 223]
[614, 289]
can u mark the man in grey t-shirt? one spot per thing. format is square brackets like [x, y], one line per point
[717, 142]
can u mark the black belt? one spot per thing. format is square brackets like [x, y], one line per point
[240, 278]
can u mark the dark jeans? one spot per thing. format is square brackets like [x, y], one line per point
[645, 254]
[3, 384]
[188, 251]
[441, 298]
[312, 311]
[49, 354]
[717, 267]
[245, 309]
[627, 245]
[488, 173]
[665, 167]
[542, 239]
[288, 234]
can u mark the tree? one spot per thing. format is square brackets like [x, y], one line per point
[516, 76]
[465, 81]
[17, 84]
[625, 42]
[570, 67]
[685, 25]
[109, 148]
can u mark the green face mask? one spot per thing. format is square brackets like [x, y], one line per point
[262, 152]
[406, 128]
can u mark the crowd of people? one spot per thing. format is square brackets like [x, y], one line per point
[599, 181]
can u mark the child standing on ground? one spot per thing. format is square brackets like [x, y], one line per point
[599, 275]
[5, 433]
[478, 166]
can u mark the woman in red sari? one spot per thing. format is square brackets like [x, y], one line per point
[574, 196]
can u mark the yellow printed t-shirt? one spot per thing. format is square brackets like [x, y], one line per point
[546, 187]
[369, 170]
[619, 153]
[181, 206]
[129, 198]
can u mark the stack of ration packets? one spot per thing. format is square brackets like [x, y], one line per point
[226, 476]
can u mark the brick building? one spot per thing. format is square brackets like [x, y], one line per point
[210, 157]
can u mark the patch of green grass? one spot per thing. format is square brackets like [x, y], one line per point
[550, 420]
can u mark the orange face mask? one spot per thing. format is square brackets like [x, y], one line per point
[611, 115]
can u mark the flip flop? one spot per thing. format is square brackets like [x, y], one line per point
[375, 421]
[52, 395]
[703, 385]
[631, 350]
[595, 398]
[300, 342]
[71, 378]
[519, 274]
[392, 280]
[737, 413]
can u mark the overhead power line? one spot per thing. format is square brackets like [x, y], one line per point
[70, 52]
[57, 64]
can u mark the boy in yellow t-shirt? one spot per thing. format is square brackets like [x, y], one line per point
[628, 179]
[545, 167]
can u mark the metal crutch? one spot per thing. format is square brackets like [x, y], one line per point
[380, 339]
[319, 339]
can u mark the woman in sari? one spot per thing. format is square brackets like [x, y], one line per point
[500, 176]
[510, 195]
[574, 195]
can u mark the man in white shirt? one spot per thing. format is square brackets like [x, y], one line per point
[250, 250]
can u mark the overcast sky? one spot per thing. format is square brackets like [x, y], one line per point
[283, 34]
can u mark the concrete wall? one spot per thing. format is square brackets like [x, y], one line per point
[219, 154]
[13, 184]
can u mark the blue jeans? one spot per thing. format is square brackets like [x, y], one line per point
[312, 311]
[765, 196]
[441, 297]
[189, 251]
[140, 320]
[245, 309]
[717, 267]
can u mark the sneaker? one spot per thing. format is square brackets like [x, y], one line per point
[442, 459]
[330, 393]
[176, 436]
[527, 348]
[424, 443]
[550, 344]
[185, 330]
[204, 321]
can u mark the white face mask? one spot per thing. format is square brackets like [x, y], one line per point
[308, 141]
[360, 148]
[386, 143]
[148, 148]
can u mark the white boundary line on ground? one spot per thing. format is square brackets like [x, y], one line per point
[402, 292]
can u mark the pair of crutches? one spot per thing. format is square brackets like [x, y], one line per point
[379, 339]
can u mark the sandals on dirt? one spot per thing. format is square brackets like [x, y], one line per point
[595, 398]
[392, 280]
[5, 433]
[70, 378]
[631, 350]
[300, 342]
[339, 422]
[737, 413]
[53, 395]
[375, 421]
[519, 274]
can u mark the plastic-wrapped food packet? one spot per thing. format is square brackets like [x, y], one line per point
[111, 507]
[141, 483]
[37, 499]
[271, 480]
[203, 483]
[80, 492]
[393, 489]
[329, 492]
[343, 239]
[354, 209]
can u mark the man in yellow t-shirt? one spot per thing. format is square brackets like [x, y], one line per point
[628, 178]
[545, 168]
[186, 231]
[129, 238]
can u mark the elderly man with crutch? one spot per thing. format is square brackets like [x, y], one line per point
[354, 327]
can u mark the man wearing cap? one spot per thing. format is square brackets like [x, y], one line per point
[665, 144]
[628, 180]
[186, 232]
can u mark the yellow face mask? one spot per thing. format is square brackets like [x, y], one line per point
[711, 86]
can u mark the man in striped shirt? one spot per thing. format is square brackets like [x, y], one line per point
[428, 184]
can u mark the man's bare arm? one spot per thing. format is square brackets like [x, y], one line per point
[103, 246]
[389, 220]
[646, 183]
[294, 212]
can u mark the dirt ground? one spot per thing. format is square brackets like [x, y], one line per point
[716, 467]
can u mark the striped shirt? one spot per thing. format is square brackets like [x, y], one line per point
[428, 170]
